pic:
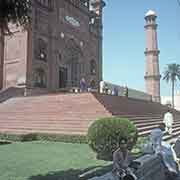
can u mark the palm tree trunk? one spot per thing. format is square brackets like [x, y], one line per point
[1, 57]
[173, 94]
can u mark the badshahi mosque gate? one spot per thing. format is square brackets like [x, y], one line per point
[62, 45]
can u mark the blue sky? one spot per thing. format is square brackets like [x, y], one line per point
[124, 40]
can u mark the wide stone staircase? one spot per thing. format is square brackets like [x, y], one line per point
[145, 115]
[56, 113]
[71, 113]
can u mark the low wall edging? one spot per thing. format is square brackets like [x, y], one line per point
[151, 168]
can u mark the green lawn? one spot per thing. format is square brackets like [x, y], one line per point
[46, 161]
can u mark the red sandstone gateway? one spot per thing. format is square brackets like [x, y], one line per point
[62, 45]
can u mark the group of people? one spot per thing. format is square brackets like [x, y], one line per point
[85, 87]
[103, 87]
[106, 88]
[122, 158]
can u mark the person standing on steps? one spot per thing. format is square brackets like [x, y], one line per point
[83, 85]
[168, 121]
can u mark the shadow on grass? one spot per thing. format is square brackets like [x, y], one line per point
[73, 174]
[2, 142]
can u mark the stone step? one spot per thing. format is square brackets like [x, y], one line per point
[152, 123]
[72, 113]
[174, 135]
[52, 117]
[48, 122]
[78, 125]
[139, 117]
[146, 128]
[146, 121]
[142, 124]
[27, 131]
[57, 129]
[144, 133]
[152, 120]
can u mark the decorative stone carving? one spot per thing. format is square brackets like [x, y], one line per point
[14, 45]
[41, 50]
[93, 67]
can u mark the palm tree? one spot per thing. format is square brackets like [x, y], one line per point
[178, 1]
[172, 73]
[15, 12]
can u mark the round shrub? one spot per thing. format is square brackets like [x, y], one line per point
[105, 135]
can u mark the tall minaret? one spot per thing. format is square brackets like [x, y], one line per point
[97, 7]
[152, 75]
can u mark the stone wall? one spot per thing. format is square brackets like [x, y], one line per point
[11, 92]
[132, 93]
[15, 59]
[35, 91]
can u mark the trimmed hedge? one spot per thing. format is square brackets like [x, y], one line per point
[45, 137]
[105, 134]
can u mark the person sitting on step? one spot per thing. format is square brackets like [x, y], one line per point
[168, 121]
[121, 162]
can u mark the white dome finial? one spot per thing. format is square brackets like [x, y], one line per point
[150, 13]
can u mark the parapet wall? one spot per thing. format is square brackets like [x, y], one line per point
[11, 92]
[132, 93]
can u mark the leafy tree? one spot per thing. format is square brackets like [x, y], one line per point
[172, 74]
[15, 12]
[178, 1]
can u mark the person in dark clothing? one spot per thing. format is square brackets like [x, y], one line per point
[121, 161]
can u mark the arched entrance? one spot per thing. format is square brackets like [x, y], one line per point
[63, 75]
[40, 78]
[73, 56]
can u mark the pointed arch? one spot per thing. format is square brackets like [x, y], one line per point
[93, 67]
[40, 78]
[74, 56]
[41, 50]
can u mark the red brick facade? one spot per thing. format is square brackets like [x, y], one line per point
[62, 45]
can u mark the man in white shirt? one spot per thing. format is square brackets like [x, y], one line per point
[101, 84]
[168, 121]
